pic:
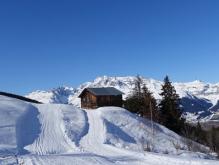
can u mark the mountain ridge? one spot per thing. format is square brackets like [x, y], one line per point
[199, 99]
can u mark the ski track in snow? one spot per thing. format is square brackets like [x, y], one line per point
[94, 139]
[52, 139]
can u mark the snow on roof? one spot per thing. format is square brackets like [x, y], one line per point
[108, 91]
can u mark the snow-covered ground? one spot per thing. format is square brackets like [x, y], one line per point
[199, 99]
[44, 134]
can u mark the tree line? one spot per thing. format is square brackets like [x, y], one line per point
[168, 112]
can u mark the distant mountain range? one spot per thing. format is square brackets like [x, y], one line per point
[200, 101]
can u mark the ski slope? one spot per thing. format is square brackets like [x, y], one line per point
[55, 134]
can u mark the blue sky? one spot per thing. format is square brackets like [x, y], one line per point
[45, 44]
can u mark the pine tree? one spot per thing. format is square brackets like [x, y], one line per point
[170, 107]
[135, 101]
[150, 108]
[141, 101]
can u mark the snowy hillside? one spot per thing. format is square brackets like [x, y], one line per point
[44, 134]
[199, 100]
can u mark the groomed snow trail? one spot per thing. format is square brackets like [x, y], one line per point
[52, 139]
[94, 141]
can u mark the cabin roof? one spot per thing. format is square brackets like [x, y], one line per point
[108, 91]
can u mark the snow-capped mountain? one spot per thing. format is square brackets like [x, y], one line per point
[199, 99]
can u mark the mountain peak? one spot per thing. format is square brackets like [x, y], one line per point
[197, 96]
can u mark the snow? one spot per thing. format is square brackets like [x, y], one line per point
[44, 134]
[132, 158]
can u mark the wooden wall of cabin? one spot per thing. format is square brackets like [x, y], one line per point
[88, 100]
[109, 101]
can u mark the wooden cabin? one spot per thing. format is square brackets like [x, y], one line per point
[92, 98]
